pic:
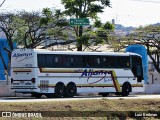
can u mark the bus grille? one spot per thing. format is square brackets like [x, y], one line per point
[44, 85]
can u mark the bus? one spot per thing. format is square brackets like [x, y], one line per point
[66, 73]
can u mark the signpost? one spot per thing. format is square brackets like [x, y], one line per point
[79, 21]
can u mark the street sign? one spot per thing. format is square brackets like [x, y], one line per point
[79, 21]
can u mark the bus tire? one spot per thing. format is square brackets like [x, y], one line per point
[36, 95]
[59, 90]
[104, 94]
[71, 90]
[126, 88]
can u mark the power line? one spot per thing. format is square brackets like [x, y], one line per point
[147, 1]
[2, 3]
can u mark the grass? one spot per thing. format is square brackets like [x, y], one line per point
[87, 109]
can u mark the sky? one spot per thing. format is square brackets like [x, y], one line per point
[126, 12]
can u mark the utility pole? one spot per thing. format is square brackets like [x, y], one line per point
[46, 37]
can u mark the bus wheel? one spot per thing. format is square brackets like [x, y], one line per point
[36, 95]
[71, 90]
[126, 88]
[59, 90]
[105, 94]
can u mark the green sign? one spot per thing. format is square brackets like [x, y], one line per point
[79, 21]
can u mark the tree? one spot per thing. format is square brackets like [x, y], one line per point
[56, 27]
[119, 43]
[83, 9]
[149, 36]
[9, 24]
[32, 33]
[29, 29]
[22, 27]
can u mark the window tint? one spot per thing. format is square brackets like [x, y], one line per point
[108, 62]
[66, 61]
[115, 62]
[49, 61]
[60, 61]
[70, 61]
[78, 61]
[82, 61]
[111, 62]
[41, 61]
[96, 62]
[136, 61]
[123, 61]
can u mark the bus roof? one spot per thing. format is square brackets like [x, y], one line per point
[45, 51]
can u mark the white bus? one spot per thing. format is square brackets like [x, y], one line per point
[66, 73]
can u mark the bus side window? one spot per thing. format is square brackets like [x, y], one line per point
[62, 61]
[41, 60]
[78, 61]
[122, 61]
[85, 61]
[71, 61]
[111, 62]
[68, 61]
[127, 62]
[96, 62]
[89, 61]
[103, 62]
[49, 61]
[56, 59]
[119, 63]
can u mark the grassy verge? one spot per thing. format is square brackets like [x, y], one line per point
[94, 109]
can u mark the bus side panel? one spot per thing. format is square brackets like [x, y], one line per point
[86, 80]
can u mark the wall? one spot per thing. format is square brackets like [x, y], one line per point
[152, 89]
[4, 88]
[153, 75]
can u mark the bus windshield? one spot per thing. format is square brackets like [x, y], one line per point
[137, 67]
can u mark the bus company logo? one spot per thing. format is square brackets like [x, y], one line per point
[89, 73]
[22, 56]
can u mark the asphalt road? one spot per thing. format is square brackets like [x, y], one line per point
[43, 99]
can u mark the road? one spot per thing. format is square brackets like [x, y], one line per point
[43, 99]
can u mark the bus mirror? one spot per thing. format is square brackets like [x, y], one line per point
[138, 69]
